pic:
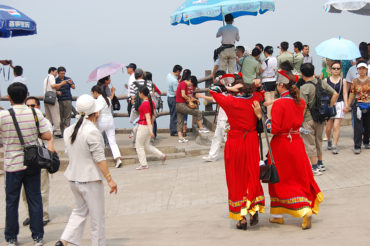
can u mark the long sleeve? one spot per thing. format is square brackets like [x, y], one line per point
[96, 145]
[224, 101]
[277, 115]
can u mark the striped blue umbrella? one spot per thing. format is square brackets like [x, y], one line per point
[14, 23]
[199, 11]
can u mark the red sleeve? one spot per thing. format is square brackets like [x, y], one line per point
[260, 95]
[156, 89]
[224, 101]
[277, 115]
[183, 86]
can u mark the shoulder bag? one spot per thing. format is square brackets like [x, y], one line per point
[36, 156]
[50, 96]
[268, 172]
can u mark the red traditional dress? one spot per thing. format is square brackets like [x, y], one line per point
[242, 155]
[297, 193]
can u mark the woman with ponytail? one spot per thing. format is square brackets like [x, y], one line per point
[106, 122]
[145, 129]
[297, 193]
[86, 170]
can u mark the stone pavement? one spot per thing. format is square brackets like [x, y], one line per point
[185, 203]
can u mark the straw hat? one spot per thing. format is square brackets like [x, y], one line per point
[86, 105]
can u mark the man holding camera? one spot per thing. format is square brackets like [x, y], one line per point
[64, 98]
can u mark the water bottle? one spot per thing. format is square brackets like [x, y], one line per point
[304, 131]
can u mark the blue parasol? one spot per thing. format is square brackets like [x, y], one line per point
[199, 11]
[338, 49]
[14, 23]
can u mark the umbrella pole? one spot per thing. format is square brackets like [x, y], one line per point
[223, 17]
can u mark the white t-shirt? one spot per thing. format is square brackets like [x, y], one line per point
[130, 81]
[270, 68]
[20, 79]
[353, 74]
[106, 112]
[50, 80]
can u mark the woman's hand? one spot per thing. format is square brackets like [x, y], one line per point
[113, 90]
[257, 83]
[346, 109]
[152, 134]
[257, 109]
[113, 186]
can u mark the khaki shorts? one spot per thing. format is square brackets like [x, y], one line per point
[313, 140]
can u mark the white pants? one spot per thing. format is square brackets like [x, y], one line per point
[142, 144]
[217, 139]
[89, 198]
[108, 127]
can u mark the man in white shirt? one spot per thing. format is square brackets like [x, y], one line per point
[306, 54]
[18, 74]
[52, 111]
[131, 71]
[229, 34]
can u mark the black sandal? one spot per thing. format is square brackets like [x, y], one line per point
[254, 219]
[242, 224]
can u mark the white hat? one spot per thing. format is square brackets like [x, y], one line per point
[362, 64]
[86, 105]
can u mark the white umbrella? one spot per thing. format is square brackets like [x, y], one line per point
[360, 7]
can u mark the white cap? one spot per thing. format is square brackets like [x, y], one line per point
[86, 105]
[362, 64]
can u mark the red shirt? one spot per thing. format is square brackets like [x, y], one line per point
[180, 87]
[145, 109]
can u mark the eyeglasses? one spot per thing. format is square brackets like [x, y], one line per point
[31, 105]
[335, 68]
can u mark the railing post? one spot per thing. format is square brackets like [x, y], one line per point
[209, 106]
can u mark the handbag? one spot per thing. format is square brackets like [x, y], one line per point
[50, 96]
[36, 156]
[268, 172]
[116, 105]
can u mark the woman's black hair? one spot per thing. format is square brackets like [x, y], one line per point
[247, 89]
[194, 81]
[286, 66]
[98, 89]
[148, 76]
[102, 80]
[186, 75]
[146, 92]
[77, 127]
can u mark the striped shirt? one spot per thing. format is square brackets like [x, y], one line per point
[134, 89]
[13, 151]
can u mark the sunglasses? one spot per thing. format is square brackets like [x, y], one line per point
[335, 68]
[31, 105]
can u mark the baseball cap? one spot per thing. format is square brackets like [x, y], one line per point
[131, 65]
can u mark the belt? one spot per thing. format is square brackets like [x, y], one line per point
[289, 134]
[228, 45]
[76, 182]
[242, 131]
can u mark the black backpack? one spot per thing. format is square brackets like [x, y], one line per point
[138, 100]
[320, 109]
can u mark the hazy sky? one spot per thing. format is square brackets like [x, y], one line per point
[81, 35]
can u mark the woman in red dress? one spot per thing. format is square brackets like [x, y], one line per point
[297, 193]
[242, 153]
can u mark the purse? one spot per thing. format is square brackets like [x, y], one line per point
[116, 105]
[36, 156]
[268, 172]
[50, 96]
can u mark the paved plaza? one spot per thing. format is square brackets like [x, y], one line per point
[185, 203]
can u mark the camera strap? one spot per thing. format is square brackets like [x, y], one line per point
[16, 125]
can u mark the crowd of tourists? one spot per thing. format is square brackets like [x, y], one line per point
[253, 90]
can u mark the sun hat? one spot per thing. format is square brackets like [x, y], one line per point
[362, 64]
[283, 77]
[86, 105]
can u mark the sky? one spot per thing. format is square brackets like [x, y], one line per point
[81, 35]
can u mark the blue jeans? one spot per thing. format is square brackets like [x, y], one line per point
[13, 185]
[173, 115]
[155, 128]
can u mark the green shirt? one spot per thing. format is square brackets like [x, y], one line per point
[250, 69]
[285, 56]
[307, 93]
[298, 59]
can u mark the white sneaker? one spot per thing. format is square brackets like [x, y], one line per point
[118, 163]
[316, 172]
[12, 242]
[208, 158]
[38, 242]
[183, 140]
[204, 130]
[142, 167]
